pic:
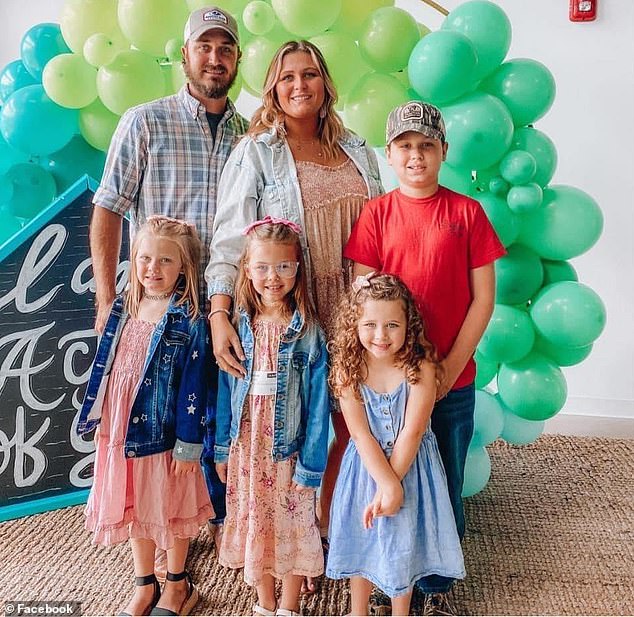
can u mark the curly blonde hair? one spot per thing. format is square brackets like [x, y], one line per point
[270, 114]
[349, 368]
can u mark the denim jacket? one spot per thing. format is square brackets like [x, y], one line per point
[169, 406]
[301, 402]
[260, 178]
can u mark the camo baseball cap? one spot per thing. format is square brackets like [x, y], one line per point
[415, 116]
[207, 18]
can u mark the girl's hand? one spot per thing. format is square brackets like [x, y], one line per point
[180, 468]
[221, 470]
[300, 488]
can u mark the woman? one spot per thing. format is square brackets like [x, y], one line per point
[296, 162]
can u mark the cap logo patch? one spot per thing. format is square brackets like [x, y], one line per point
[412, 112]
[215, 16]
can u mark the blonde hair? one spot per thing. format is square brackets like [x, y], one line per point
[248, 299]
[185, 237]
[349, 368]
[270, 114]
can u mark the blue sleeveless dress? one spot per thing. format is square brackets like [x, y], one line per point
[421, 539]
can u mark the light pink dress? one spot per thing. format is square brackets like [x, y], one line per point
[270, 527]
[138, 497]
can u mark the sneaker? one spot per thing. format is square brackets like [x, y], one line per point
[379, 604]
[438, 604]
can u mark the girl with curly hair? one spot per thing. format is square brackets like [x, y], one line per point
[391, 520]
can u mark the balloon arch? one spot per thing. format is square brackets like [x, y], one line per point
[62, 99]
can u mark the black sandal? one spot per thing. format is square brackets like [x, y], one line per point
[188, 604]
[142, 581]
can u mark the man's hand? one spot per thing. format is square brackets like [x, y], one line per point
[103, 310]
[226, 345]
[221, 470]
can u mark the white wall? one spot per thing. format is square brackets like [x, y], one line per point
[592, 125]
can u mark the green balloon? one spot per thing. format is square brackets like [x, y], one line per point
[256, 57]
[568, 314]
[533, 388]
[509, 335]
[100, 48]
[567, 224]
[541, 147]
[556, 271]
[518, 431]
[562, 356]
[387, 39]
[477, 471]
[525, 198]
[505, 223]
[258, 17]
[487, 419]
[479, 130]
[526, 87]
[353, 14]
[306, 17]
[80, 19]
[130, 79]
[498, 186]
[33, 189]
[236, 88]
[441, 66]
[518, 275]
[488, 28]
[369, 103]
[70, 81]
[458, 180]
[518, 167]
[97, 125]
[486, 370]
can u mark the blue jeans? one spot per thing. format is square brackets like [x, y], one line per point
[452, 423]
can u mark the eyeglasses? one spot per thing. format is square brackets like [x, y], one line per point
[284, 269]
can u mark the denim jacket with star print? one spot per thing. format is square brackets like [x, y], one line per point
[168, 412]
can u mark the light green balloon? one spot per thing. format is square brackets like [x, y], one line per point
[526, 87]
[525, 198]
[568, 314]
[487, 419]
[441, 66]
[509, 335]
[568, 223]
[518, 275]
[258, 17]
[486, 370]
[100, 48]
[487, 27]
[562, 356]
[80, 19]
[556, 271]
[173, 50]
[505, 223]
[130, 79]
[369, 103]
[534, 388]
[477, 471]
[235, 7]
[498, 186]
[458, 180]
[256, 57]
[387, 39]
[519, 431]
[33, 189]
[518, 167]
[353, 14]
[541, 147]
[306, 17]
[70, 81]
[97, 125]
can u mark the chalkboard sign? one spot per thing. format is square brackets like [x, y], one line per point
[47, 343]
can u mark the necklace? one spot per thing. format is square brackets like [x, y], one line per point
[167, 294]
[308, 144]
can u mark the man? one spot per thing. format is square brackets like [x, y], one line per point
[166, 157]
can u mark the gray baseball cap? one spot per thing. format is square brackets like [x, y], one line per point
[207, 18]
[416, 116]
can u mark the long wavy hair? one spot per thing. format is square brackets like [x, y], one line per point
[349, 367]
[248, 299]
[185, 237]
[270, 114]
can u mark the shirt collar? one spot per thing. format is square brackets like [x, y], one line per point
[194, 106]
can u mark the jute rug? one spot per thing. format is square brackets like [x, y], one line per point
[552, 533]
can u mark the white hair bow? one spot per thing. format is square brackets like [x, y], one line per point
[363, 280]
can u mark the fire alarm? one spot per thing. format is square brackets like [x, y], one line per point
[583, 10]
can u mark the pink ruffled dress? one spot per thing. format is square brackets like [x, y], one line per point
[138, 497]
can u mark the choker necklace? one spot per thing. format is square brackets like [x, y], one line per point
[158, 296]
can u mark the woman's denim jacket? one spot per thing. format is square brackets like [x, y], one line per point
[301, 403]
[169, 406]
[260, 178]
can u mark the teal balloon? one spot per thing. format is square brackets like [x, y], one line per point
[10, 156]
[526, 87]
[498, 186]
[567, 224]
[39, 44]
[486, 370]
[505, 223]
[557, 271]
[73, 161]
[441, 66]
[477, 471]
[32, 123]
[33, 189]
[6, 190]
[487, 419]
[562, 356]
[458, 180]
[533, 388]
[479, 130]
[525, 198]
[13, 77]
[541, 147]
[518, 431]
[518, 275]
[509, 335]
[568, 314]
[487, 27]
[518, 167]
[306, 17]
[11, 225]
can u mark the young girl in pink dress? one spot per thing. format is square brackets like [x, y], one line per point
[147, 395]
[272, 424]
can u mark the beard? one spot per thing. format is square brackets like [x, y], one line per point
[218, 87]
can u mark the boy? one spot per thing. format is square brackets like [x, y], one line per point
[441, 244]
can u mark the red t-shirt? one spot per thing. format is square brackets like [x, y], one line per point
[431, 244]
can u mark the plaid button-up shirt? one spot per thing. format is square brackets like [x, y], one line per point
[163, 160]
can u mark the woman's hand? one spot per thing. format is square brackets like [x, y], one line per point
[221, 470]
[300, 488]
[96, 436]
[180, 468]
[226, 345]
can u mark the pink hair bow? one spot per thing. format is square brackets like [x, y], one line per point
[363, 280]
[272, 220]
